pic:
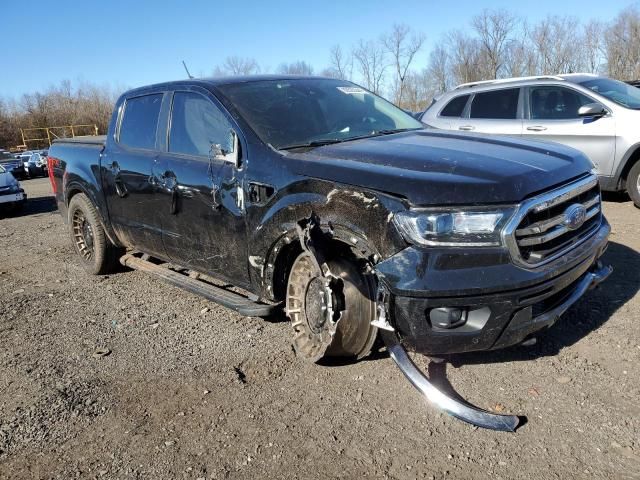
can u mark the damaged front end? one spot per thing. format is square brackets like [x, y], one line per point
[433, 301]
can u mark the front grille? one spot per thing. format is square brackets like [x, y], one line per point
[554, 223]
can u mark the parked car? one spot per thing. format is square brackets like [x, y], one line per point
[596, 115]
[12, 196]
[35, 164]
[12, 164]
[319, 198]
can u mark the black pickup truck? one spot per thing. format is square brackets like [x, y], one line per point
[319, 198]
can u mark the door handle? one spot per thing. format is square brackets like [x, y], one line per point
[167, 183]
[537, 128]
[466, 127]
[121, 189]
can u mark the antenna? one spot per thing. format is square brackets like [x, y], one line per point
[186, 69]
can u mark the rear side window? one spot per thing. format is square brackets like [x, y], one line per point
[140, 121]
[497, 104]
[556, 103]
[455, 107]
[196, 125]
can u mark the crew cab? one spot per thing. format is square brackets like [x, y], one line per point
[316, 197]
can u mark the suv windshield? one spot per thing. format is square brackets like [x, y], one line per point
[616, 91]
[290, 113]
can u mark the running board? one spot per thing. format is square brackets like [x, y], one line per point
[227, 298]
[454, 407]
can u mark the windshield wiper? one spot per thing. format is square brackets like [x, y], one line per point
[331, 141]
[390, 131]
[313, 144]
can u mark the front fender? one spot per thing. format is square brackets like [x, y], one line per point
[356, 216]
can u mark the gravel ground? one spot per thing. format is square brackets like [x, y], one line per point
[123, 376]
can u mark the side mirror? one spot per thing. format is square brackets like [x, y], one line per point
[231, 156]
[592, 110]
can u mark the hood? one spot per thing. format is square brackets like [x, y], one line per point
[6, 179]
[441, 168]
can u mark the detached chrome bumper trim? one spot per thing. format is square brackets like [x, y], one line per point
[454, 407]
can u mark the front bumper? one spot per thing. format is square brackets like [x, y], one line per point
[506, 304]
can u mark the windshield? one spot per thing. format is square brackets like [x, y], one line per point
[616, 91]
[290, 113]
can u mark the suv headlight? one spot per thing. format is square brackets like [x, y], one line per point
[471, 227]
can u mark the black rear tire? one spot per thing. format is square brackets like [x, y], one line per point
[98, 255]
[633, 184]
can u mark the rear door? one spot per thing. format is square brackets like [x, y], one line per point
[495, 112]
[448, 116]
[204, 198]
[552, 115]
[127, 166]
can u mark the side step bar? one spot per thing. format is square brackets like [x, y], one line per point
[227, 298]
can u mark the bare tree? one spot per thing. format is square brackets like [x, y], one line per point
[520, 59]
[554, 41]
[64, 104]
[235, 65]
[494, 29]
[465, 56]
[370, 58]
[622, 45]
[419, 91]
[403, 45]
[299, 67]
[340, 64]
[592, 44]
[438, 69]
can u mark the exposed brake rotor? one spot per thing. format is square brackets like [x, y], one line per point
[313, 307]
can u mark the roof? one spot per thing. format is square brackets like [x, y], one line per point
[215, 81]
[572, 77]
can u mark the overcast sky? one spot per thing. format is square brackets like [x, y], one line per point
[132, 43]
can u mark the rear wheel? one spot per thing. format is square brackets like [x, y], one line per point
[633, 184]
[331, 317]
[98, 254]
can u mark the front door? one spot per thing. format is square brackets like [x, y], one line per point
[205, 226]
[127, 166]
[553, 116]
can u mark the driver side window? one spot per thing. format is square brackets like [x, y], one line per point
[556, 103]
[197, 124]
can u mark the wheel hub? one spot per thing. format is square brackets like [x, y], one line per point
[83, 234]
[317, 304]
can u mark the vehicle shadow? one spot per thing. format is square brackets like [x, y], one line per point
[33, 206]
[586, 316]
[616, 197]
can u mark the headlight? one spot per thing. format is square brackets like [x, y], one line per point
[471, 227]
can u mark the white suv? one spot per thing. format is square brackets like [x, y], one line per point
[594, 114]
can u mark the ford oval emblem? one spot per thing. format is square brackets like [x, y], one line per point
[574, 216]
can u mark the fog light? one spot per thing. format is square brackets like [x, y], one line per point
[447, 317]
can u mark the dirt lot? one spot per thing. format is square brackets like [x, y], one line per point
[126, 377]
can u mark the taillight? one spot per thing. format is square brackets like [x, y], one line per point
[51, 163]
